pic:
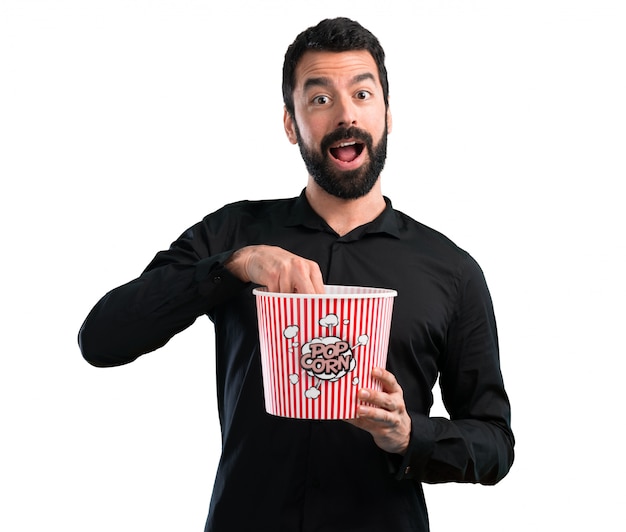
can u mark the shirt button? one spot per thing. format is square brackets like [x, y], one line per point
[407, 470]
[217, 279]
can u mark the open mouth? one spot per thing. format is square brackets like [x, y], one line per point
[347, 151]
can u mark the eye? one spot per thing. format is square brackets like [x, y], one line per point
[362, 95]
[321, 100]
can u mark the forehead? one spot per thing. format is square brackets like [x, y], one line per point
[335, 66]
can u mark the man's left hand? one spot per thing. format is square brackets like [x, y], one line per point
[384, 416]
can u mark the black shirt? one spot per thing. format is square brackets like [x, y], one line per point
[280, 474]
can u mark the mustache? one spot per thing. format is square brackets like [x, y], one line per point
[342, 133]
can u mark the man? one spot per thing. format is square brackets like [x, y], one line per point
[363, 474]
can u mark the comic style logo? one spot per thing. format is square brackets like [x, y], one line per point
[327, 358]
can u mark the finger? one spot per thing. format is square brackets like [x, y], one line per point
[387, 379]
[304, 277]
[303, 285]
[379, 400]
[295, 284]
[317, 281]
[372, 414]
[286, 285]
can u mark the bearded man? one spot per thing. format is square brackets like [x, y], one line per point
[366, 473]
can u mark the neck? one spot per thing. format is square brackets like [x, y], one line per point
[344, 215]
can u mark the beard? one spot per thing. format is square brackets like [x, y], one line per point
[350, 184]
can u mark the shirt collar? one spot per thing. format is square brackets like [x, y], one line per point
[302, 214]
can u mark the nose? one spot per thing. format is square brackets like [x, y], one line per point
[346, 112]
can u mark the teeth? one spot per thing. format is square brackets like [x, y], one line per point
[344, 144]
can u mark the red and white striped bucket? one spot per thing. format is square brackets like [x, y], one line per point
[317, 350]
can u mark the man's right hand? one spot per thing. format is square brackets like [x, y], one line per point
[277, 269]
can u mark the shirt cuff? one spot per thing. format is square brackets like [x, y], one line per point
[421, 446]
[212, 276]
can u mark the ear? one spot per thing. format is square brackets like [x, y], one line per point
[290, 127]
[389, 120]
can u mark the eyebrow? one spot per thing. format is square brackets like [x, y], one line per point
[326, 82]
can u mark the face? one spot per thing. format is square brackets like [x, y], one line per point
[341, 121]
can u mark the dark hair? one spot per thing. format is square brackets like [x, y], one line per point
[332, 35]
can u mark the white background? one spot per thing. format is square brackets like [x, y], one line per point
[124, 122]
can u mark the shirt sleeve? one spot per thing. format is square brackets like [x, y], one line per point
[476, 443]
[138, 317]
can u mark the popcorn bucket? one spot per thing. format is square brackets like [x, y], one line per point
[317, 350]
